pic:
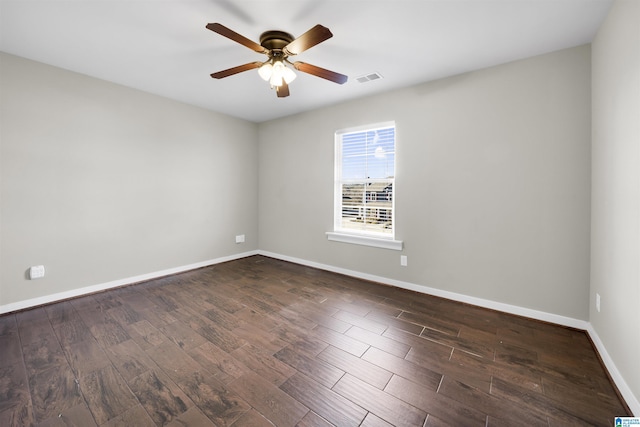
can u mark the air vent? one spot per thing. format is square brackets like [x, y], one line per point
[368, 77]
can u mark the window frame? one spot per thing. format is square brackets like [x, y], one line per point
[355, 236]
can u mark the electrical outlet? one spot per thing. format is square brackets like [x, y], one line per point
[240, 238]
[403, 260]
[598, 302]
[36, 272]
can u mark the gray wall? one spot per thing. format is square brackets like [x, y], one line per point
[102, 183]
[493, 190]
[615, 255]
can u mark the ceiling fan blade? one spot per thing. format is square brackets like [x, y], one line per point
[314, 36]
[320, 72]
[236, 70]
[282, 90]
[230, 34]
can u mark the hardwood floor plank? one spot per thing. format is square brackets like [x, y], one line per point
[214, 399]
[380, 403]
[362, 322]
[252, 418]
[28, 317]
[258, 320]
[177, 364]
[462, 344]
[124, 314]
[107, 394]
[322, 372]
[11, 350]
[78, 415]
[404, 368]
[192, 418]
[359, 368]
[341, 341]
[302, 341]
[42, 355]
[61, 312]
[324, 402]
[162, 399]
[592, 404]
[273, 403]
[136, 416]
[258, 304]
[8, 325]
[18, 415]
[359, 307]
[15, 401]
[308, 294]
[471, 370]
[322, 317]
[230, 305]
[431, 322]
[295, 318]
[260, 338]
[108, 332]
[419, 345]
[395, 322]
[53, 391]
[313, 420]
[157, 317]
[129, 359]
[219, 363]
[145, 334]
[86, 356]
[434, 403]
[72, 331]
[373, 421]
[222, 318]
[221, 337]
[489, 404]
[537, 403]
[383, 343]
[262, 362]
[182, 335]
[38, 330]
[433, 421]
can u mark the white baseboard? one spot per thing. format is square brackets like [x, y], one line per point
[47, 299]
[617, 378]
[623, 388]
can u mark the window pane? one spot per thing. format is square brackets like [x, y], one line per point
[368, 154]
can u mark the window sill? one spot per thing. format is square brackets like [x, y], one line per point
[395, 245]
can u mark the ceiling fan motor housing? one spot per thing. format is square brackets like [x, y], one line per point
[275, 39]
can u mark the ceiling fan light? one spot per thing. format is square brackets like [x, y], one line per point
[265, 71]
[276, 80]
[277, 74]
[288, 75]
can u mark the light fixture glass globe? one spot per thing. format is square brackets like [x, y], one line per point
[288, 75]
[265, 71]
[277, 74]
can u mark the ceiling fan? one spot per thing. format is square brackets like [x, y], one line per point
[279, 46]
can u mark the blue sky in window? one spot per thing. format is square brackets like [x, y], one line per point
[368, 154]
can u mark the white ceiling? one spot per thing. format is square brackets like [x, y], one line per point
[163, 47]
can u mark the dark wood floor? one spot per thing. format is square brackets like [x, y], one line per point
[261, 342]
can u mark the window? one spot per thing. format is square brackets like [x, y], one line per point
[364, 185]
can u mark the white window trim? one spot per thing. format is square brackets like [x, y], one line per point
[355, 237]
